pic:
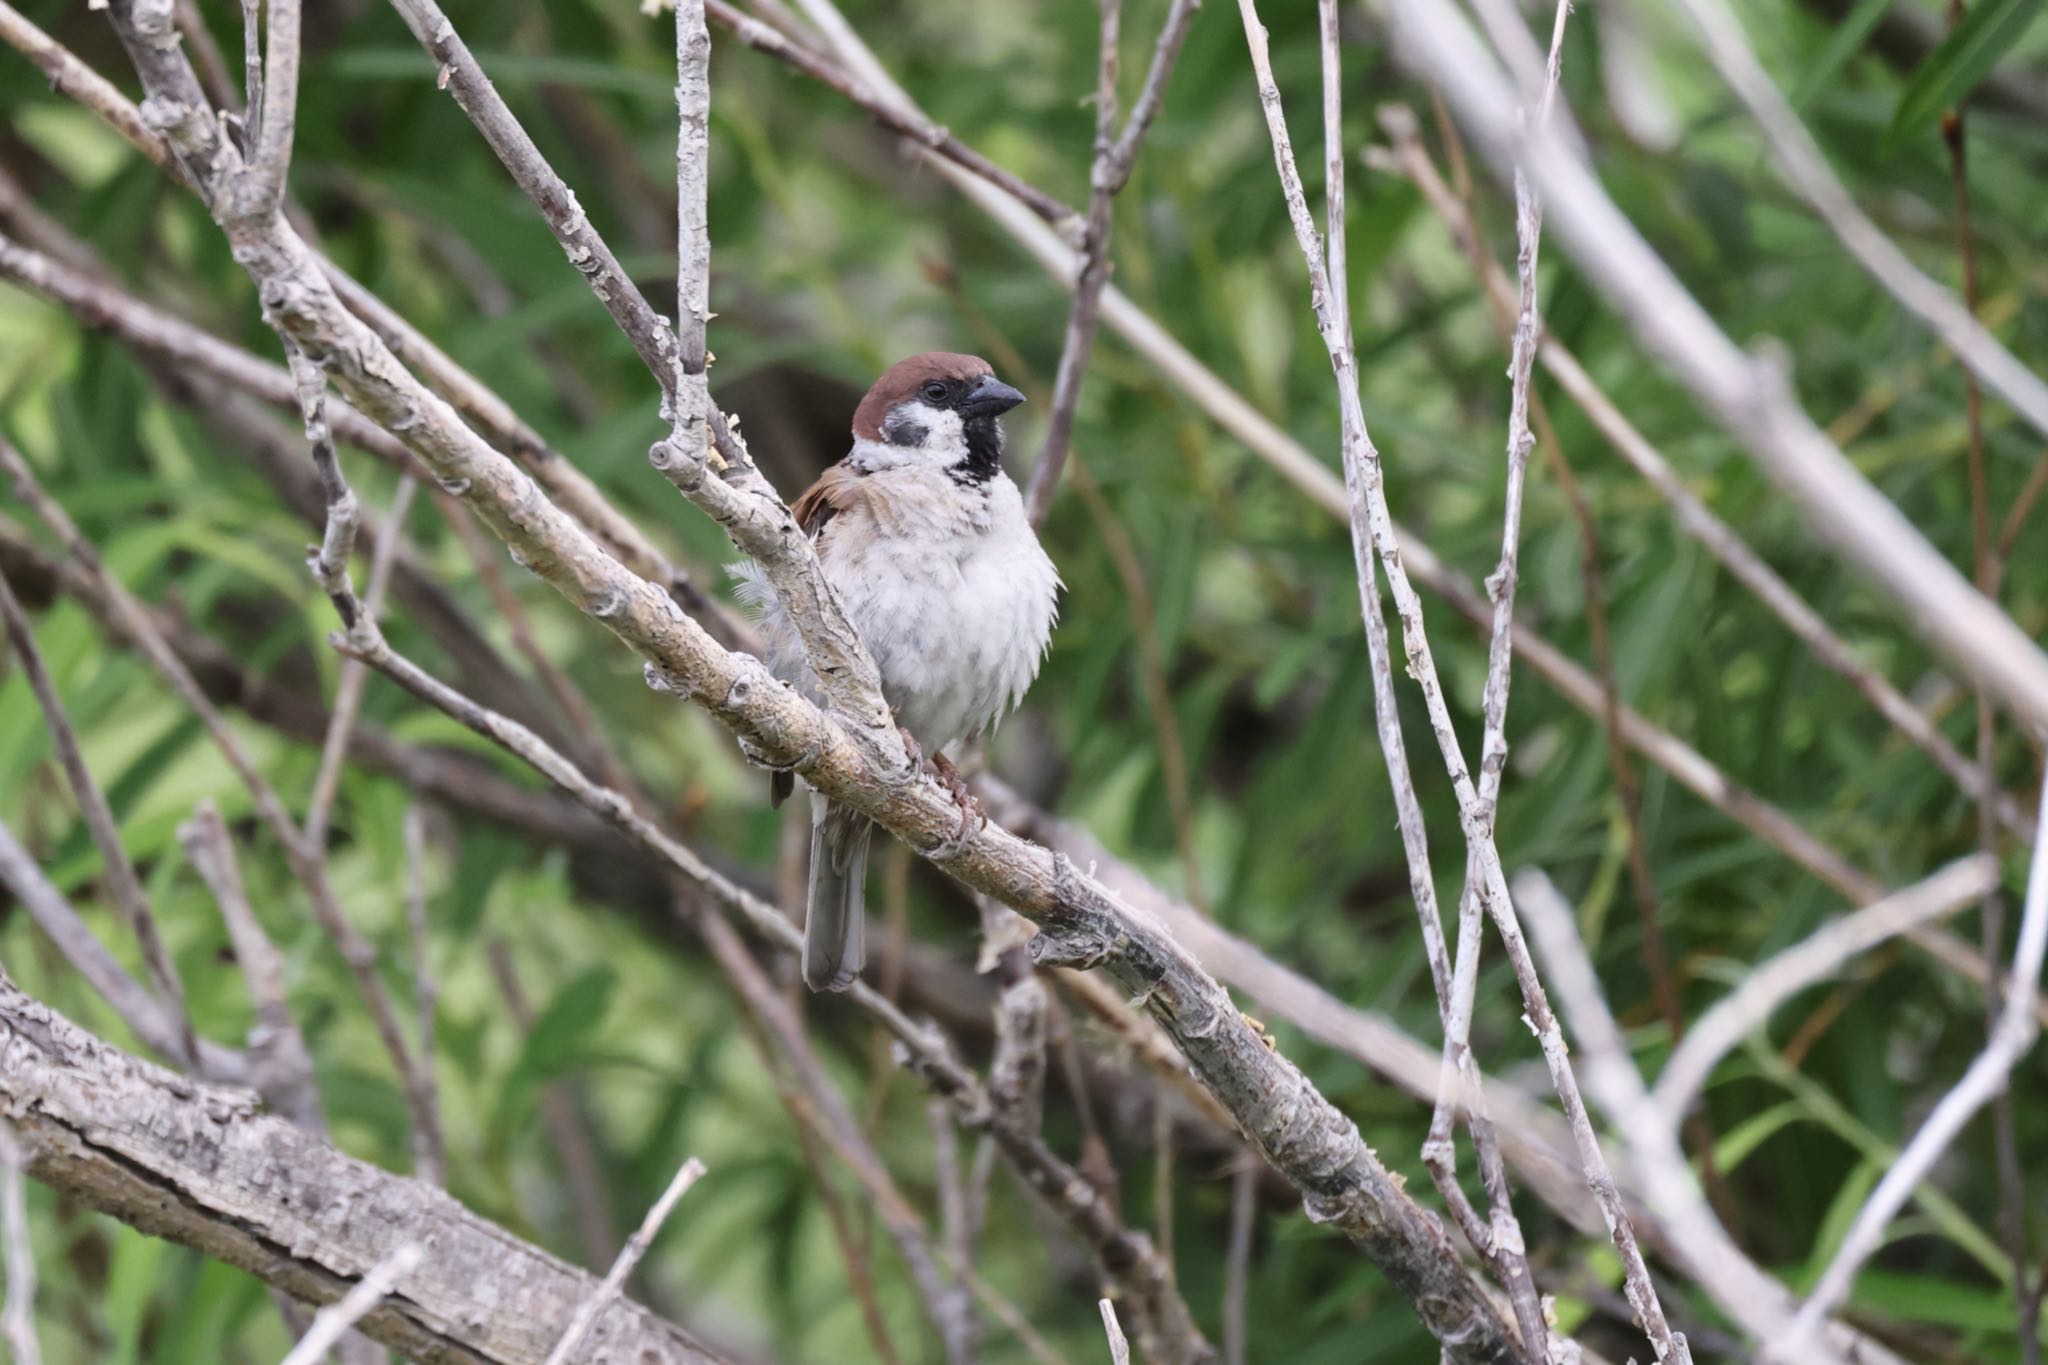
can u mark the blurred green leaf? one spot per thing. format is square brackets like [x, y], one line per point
[1945, 79]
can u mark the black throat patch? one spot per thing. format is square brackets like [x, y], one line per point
[984, 451]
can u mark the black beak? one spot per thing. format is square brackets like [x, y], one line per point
[990, 397]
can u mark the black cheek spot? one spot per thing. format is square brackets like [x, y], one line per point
[904, 431]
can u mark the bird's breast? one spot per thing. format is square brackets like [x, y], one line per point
[955, 599]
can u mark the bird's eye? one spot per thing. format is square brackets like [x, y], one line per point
[935, 392]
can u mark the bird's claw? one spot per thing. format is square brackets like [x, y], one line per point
[911, 747]
[972, 816]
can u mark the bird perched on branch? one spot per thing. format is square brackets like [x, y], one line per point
[924, 538]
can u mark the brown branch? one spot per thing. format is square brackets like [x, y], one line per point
[201, 1167]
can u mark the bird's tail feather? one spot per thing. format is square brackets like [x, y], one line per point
[836, 908]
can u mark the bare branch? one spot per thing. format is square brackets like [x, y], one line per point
[734, 494]
[1692, 515]
[281, 1067]
[2012, 1035]
[270, 162]
[1764, 987]
[124, 887]
[692, 400]
[348, 690]
[1372, 523]
[1745, 395]
[493, 416]
[1115, 154]
[333, 1321]
[201, 1167]
[1298, 466]
[71, 77]
[1119, 1348]
[1125, 1256]
[636, 1247]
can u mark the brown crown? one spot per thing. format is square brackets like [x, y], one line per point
[903, 379]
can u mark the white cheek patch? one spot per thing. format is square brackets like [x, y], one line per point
[942, 431]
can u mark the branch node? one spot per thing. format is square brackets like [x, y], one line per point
[662, 680]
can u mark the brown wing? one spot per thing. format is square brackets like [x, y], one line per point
[825, 499]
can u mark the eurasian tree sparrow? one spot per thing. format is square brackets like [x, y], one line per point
[924, 538]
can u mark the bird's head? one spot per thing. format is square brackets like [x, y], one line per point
[939, 409]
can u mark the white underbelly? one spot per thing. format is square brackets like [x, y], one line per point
[957, 638]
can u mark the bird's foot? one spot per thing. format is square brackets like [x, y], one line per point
[910, 746]
[971, 813]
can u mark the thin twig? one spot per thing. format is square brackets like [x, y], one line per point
[1628, 790]
[1115, 155]
[1371, 521]
[614, 1281]
[348, 690]
[124, 886]
[692, 406]
[280, 1063]
[1501, 1241]
[331, 1322]
[2012, 1034]
[18, 1323]
[262, 189]
[1119, 1348]
[1693, 516]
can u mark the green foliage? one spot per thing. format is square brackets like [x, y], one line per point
[834, 254]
